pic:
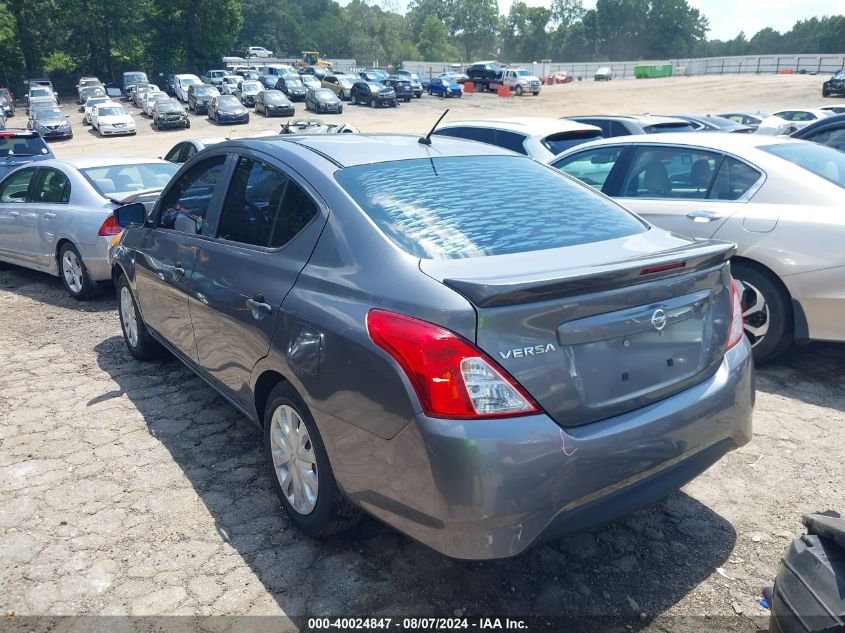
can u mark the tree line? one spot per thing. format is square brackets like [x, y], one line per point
[104, 37]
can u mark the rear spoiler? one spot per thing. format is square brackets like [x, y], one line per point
[132, 197]
[508, 290]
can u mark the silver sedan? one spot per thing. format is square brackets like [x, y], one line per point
[56, 216]
[779, 200]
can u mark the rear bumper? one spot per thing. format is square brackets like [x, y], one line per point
[96, 257]
[491, 489]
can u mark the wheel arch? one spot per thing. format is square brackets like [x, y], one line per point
[264, 385]
[799, 328]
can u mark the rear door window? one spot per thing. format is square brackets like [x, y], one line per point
[263, 207]
[592, 167]
[681, 173]
[52, 187]
[431, 216]
[733, 180]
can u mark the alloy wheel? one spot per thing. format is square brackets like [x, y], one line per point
[294, 460]
[755, 313]
[128, 317]
[72, 271]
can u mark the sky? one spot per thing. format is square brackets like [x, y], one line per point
[729, 17]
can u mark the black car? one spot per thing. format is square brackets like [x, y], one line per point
[835, 85]
[169, 113]
[292, 86]
[485, 71]
[199, 95]
[829, 131]
[323, 100]
[374, 94]
[401, 86]
[273, 103]
[227, 109]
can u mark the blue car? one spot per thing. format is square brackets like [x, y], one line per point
[18, 147]
[268, 81]
[443, 87]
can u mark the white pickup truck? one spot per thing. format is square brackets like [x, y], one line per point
[521, 81]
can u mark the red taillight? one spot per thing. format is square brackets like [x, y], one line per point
[737, 329]
[451, 377]
[110, 227]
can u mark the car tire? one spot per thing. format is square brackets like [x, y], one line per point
[373, 103]
[187, 124]
[825, 93]
[75, 276]
[304, 481]
[518, 91]
[765, 304]
[137, 337]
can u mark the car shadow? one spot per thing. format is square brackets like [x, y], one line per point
[635, 568]
[48, 289]
[811, 373]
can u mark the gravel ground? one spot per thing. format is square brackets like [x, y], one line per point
[130, 488]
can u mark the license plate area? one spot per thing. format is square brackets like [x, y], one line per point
[633, 352]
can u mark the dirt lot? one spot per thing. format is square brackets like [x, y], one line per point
[665, 96]
[130, 488]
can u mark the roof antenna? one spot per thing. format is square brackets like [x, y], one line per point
[426, 140]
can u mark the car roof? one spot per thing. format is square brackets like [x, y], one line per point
[532, 126]
[110, 161]
[349, 150]
[718, 141]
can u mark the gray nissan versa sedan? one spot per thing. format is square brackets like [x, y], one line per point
[481, 372]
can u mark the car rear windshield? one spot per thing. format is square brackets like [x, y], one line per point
[557, 143]
[422, 206]
[128, 178]
[14, 145]
[821, 160]
[660, 128]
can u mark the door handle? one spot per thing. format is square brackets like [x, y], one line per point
[703, 216]
[177, 270]
[260, 308]
[14, 214]
[49, 216]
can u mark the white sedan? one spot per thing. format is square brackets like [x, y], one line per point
[778, 199]
[229, 84]
[57, 214]
[90, 102]
[789, 121]
[148, 101]
[112, 119]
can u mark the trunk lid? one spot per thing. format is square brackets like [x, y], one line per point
[590, 338]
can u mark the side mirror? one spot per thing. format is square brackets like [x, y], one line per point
[130, 215]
